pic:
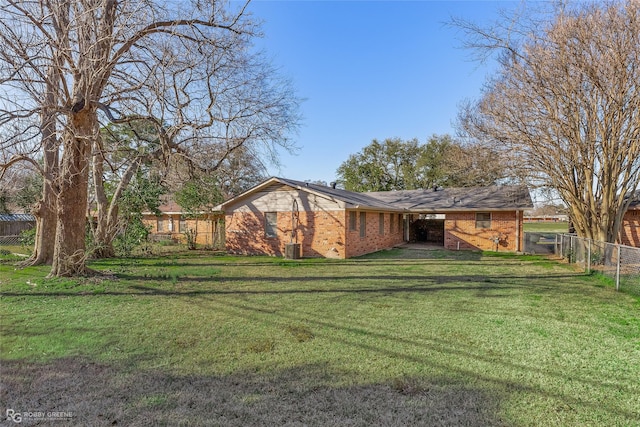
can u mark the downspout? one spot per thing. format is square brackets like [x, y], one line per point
[406, 227]
[518, 243]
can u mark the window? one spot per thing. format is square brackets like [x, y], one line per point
[270, 224]
[381, 224]
[353, 221]
[182, 225]
[363, 224]
[483, 220]
[399, 222]
[391, 224]
[160, 226]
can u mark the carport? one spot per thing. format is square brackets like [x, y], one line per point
[427, 229]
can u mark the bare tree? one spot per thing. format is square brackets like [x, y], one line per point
[120, 60]
[210, 109]
[566, 105]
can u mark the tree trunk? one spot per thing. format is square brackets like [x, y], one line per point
[45, 210]
[107, 212]
[45, 213]
[102, 234]
[69, 254]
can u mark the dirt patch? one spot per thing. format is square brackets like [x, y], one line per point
[99, 394]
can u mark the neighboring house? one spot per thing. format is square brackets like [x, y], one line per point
[172, 224]
[630, 232]
[546, 218]
[335, 223]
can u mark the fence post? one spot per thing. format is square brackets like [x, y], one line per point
[618, 269]
[572, 252]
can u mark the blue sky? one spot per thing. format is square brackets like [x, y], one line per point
[370, 70]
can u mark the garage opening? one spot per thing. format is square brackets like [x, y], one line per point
[428, 231]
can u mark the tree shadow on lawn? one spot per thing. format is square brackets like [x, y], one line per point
[391, 257]
[102, 394]
[380, 284]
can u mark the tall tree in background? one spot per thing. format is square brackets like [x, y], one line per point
[408, 165]
[381, 166]
[446, 162]
[176, 65]
[566, 105]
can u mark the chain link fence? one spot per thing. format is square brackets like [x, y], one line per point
[10, 240]
[618, 262]
[540, 243]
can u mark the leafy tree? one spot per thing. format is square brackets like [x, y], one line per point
[143, 194]
[124, 153]
[406, 165]
[381, 166]
[29, 191]
[3, 201]
[565, 106]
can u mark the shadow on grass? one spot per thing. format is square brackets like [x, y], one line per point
[420, 283]
[383, 257]
[101, 394]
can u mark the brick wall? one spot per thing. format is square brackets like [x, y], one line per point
[373, 240]
[319, 233]
[461, 232]
[207, 227]
[630, 232]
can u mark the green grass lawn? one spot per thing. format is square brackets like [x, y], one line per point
[546, 227]
[400, 337]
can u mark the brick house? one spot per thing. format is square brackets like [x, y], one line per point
[481, 218]
[630, 232]
[330, 222]
[172, 223]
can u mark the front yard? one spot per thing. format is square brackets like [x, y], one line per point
[399, 337]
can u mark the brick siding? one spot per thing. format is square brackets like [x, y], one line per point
[630, 232]
[373, 240]
[319, 233]
[207, 228]
[461, 232]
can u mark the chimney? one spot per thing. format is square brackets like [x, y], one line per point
[333, 185]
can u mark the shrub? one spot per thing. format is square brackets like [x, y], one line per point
[28, 237]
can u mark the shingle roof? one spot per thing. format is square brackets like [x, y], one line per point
[362, 200]
[496, 197]
[474, 198]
